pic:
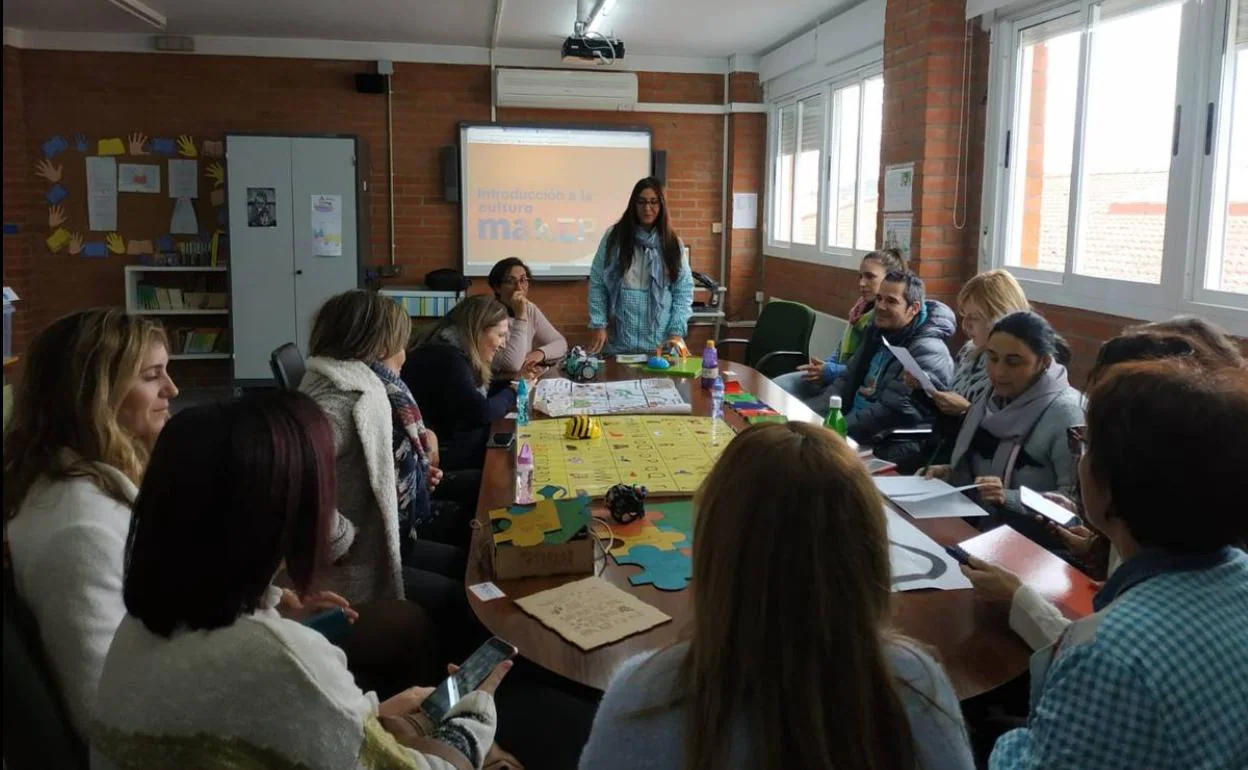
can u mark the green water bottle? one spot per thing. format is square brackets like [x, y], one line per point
[835, 421]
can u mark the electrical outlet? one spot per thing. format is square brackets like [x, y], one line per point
[390, 271]
[717, 228]
[758, 296]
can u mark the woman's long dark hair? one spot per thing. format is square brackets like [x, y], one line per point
[620, 242]
[1036, 333]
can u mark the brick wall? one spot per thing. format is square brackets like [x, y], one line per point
[747, 152]
[20, 198]
[106, 94]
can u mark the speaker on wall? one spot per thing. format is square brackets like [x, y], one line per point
[448, 159]
[658, 165]
[370, 83]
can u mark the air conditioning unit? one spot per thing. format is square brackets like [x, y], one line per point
[566, 89]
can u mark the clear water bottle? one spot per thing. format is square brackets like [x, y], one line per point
[522, 402]
[717, 398]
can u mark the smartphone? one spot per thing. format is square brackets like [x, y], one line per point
[876, 465]
[957, 553]
[468, 678]
[332, 624]
[1034, 501]
[501, 440]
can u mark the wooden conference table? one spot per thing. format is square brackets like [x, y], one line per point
[971, 637]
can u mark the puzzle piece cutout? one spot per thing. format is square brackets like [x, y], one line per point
[665, 570]
[573, 516]
[647, 535]
[525, 525]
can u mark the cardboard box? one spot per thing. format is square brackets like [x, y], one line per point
[555, 541]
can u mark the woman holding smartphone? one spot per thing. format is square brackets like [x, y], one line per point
[203, 672]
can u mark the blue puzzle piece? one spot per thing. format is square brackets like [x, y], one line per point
[552, 492]
[54, 146]
[80, 142]
[56, 194]
[95, 250]
[164, 147]
[665, 570]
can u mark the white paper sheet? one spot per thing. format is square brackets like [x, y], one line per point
[918, 561]
[101, 194]
[184, 221]
[183, 178]
[327, 225]
[954, 506]
[898, 232]
[138, 177]
[899, 188]
[911, 366]
[745, 211]
[557, 397]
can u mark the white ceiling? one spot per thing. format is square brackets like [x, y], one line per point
[690, 28]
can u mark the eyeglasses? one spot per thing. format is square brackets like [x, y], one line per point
[516, 281]
[648, 202]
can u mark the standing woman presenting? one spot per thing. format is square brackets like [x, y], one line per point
[640, 287]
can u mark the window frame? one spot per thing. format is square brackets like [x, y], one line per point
[1190, 185]
[820, 252]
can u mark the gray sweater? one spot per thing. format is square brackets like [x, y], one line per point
[620, 739]
[367, 563]
[1046, 444]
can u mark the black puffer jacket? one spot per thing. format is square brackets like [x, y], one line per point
[893, 405]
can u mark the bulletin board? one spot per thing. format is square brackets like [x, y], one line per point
[141, 222]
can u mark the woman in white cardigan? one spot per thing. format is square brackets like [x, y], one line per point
[387, 465]
[203, 672]
[94, 395]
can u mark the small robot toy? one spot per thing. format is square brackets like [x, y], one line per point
[581, 366]
[581, 427]
[626, 502]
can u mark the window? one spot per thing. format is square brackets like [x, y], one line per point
[1121, 157]
[833, 222]
[854, 167]
[1226, 264]
[796, 178]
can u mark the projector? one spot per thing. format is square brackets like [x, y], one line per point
[592, 50]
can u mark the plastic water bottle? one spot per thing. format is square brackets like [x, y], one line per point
[835, 421]
[522, 402]
[524, 475]
[710, 364]
[717, 398]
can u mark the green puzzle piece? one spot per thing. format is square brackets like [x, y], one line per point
[665, 570]
[574, 517]
[677, 516]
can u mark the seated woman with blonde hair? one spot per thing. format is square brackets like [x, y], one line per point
[789, 661]
[94, 396]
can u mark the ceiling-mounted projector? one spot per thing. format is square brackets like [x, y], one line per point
[592, 49]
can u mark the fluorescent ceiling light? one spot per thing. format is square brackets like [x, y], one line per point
[141, 11]
[598, 17]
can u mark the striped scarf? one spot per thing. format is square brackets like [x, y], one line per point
[411, 460]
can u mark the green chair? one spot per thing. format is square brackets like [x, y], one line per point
[781, 339]
[37, 732]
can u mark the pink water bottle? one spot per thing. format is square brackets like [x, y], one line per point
[524, 475]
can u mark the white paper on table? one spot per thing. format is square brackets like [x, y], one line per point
[183, 178]
[101, 194]
[940, 489]
[952, 506]
[891, 486]
[918, 561]
[184, 221]
[631, 358]
[560, 397]
[911, 366]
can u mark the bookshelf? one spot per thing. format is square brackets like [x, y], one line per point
[197, 332]
[420, 302]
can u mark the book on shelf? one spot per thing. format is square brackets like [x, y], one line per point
[197, 341]
[175, 299]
